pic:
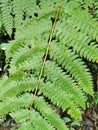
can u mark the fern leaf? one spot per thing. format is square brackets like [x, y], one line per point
[74, 65]
[25, 52]
[96, 8]
[46, 111]
[10, 103]
[13, 46]
[63, 100]
[17, 6]
[7, 19]
[26, 116]
[81, 19]
[80, 43]
[64, 82]
[14, 88]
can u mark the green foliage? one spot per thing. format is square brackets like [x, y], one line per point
[66, 80]
[95, 100]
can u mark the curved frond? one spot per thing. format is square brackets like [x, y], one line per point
[7, 18]
[31, 118]
[9, 104]
[69, 61]
[48, 114]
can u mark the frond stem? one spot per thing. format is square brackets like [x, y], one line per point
[47, 50]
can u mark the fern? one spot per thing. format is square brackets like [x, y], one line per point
[24, 114]
[7, 19]
[96, 8]
[29, 92]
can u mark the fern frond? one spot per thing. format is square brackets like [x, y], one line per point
[18, 11]
[80, 43]
[13, 46]
[2, 81]
[7, 19]
[32, 118]
[48, 114]
[81, 19]
[24, 69]
[26, 125]
[63, 100]
[14, 88]
[96, 9]
[86, 4]
[72, 64]
[25, 52]
[10, 103]
[64, 82]
[29, 30]
[30, 7]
